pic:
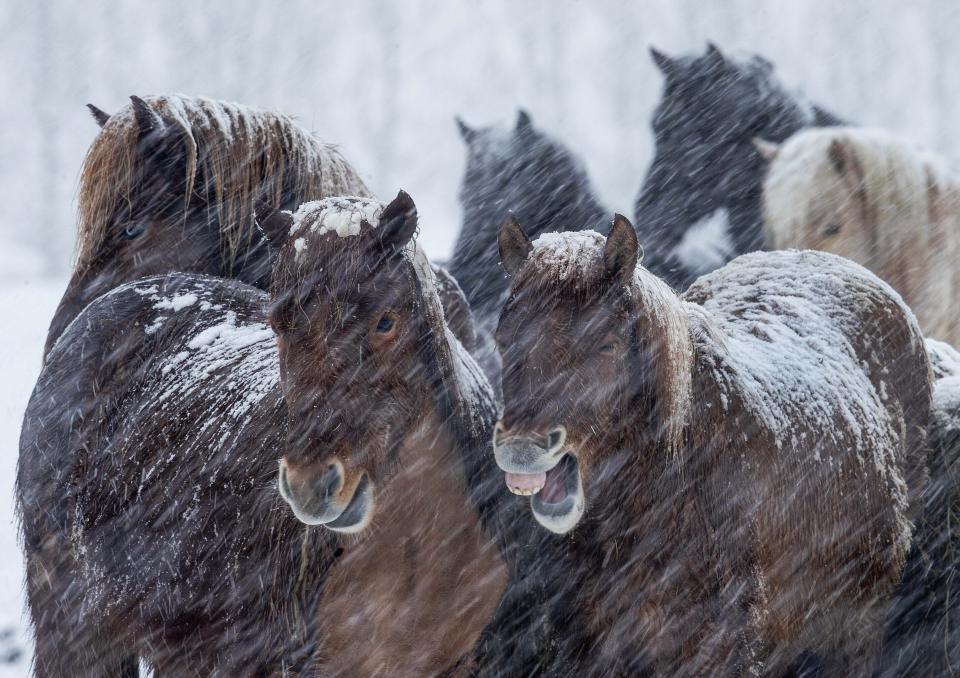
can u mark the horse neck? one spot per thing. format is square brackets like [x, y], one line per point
[445, 573]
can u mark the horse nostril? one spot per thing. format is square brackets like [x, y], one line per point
[556, 438]
[329, 483]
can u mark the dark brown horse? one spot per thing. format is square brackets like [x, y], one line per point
[737, 469]
[148, 471]
[175, 183]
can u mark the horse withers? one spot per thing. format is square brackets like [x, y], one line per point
[177, 183]
[736, 469]
[148, 478]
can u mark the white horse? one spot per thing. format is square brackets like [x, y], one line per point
[870, 197]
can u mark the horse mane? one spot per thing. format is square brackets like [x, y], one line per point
[899, 183]
[238, 159]
[572, 264]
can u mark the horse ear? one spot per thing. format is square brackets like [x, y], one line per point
[934, 203]
[148, 120]
[467, 133]
[714, 56]
[621, 253]
[768, 150]
[844, 160]
[663, 62]
[398, 222]
[763, 62]
[524, 121]
[100, 116]
[162, 144]
[513, 243]
[276, 227]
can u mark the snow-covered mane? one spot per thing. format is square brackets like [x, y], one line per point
[869, 196]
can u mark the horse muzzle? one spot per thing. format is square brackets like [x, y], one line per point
[326, 496]
[537, 466]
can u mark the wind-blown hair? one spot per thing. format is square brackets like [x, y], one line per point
[238, 159]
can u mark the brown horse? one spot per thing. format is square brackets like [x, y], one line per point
[736, 469]
[176, 183]
[148, 471]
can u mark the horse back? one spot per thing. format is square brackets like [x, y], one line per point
[825, 367]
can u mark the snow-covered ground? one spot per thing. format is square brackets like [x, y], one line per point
[26, 308]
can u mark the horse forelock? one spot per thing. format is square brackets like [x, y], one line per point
[238, 159]
[348, 224]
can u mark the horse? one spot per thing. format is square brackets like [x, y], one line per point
[870, 197]
[736, 469]
[699, 205]
[157, 523]
[921, 638]
[524, 171]
[178, 183]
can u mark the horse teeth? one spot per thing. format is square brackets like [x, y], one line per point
[522, 492]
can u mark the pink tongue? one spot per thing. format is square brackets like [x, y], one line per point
[526, 481]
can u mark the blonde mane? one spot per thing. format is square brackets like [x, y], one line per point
[236, 157]
[910, 234]
[671, 321]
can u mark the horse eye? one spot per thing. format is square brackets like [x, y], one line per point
[386, 323]
[609, 348]
[134, 230]
[832, 229]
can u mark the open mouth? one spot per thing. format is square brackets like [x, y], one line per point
[556, 496]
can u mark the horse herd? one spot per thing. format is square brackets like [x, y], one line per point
[722, 452]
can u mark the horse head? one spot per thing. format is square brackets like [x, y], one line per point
[525, 171]
[174, 183]
[347, 309]
[589, 343]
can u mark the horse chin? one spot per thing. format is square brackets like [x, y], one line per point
[559, 505]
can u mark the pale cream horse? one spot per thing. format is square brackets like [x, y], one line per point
[870, 197]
